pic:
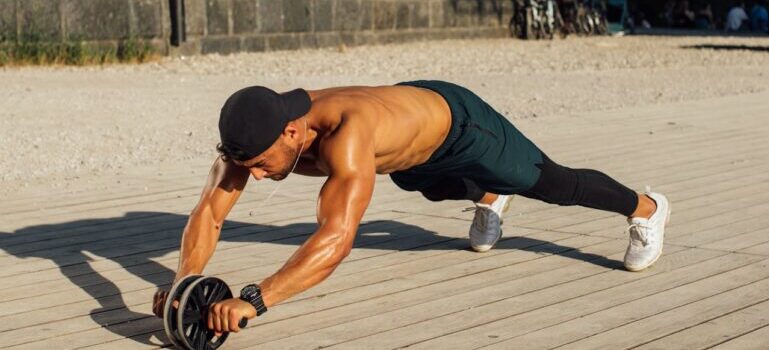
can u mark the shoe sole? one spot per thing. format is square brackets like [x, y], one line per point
[662, 245]
[482, 249]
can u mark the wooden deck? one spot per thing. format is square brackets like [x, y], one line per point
[79, 267]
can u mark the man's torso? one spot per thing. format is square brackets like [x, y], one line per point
[407, 123]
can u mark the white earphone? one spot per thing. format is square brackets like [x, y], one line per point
[296, 162]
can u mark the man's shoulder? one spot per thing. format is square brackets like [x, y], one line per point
[350, 136]
[351, 125]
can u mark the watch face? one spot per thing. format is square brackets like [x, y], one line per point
[249, 291]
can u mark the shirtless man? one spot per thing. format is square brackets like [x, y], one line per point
[430, 136]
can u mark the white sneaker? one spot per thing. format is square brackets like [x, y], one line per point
[647, 235]
[486, 228]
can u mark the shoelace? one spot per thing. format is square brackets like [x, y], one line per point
[640, 232]
[480, 214]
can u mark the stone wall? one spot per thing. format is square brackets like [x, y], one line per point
[96, 21]
[256, 25]
[227, 26]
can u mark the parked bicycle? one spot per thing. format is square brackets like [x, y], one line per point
[542, 19]
[535, 19]
[583, 17]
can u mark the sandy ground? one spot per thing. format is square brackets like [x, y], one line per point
[60, 123]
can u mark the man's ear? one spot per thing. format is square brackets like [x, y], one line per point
[291, 130]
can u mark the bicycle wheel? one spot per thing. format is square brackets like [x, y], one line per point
[560, 26]
[601, 27]
[530, 32]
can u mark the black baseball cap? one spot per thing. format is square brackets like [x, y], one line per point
[254, 117]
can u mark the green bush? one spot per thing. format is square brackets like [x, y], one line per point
[33, 49]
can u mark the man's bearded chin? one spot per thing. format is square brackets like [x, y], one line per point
[291, 159]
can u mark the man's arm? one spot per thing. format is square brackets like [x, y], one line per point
[342, 202]
[223, 188]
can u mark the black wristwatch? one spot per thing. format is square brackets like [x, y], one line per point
[253, 295]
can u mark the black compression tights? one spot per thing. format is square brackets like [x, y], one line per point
[557, 184]
[560, 185]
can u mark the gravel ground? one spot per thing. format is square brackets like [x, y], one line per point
[60, 123]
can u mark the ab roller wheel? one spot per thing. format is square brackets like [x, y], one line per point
[186, 326]
[170, 312]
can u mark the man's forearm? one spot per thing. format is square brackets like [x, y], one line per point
[306, 268]
[198, 244]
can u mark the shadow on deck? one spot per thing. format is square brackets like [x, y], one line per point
[147, 231]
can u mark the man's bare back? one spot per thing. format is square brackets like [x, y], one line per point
[406, 123]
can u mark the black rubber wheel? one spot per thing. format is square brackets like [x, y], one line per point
[170, 312]
[191, 321]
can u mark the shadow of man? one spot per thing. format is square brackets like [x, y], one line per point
[135, 239]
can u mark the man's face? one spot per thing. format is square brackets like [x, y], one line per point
[275, 163]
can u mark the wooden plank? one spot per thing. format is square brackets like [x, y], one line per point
[755, 340]
[645, 319]
[741, 241]
[580, 325]
[490, 323]
[760, 249]
[715, 331]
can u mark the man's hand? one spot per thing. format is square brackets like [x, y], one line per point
[159, 302]
[225, 315]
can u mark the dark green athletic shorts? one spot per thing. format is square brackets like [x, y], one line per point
[482, 146]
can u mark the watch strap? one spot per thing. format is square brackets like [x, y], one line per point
[253, 295]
